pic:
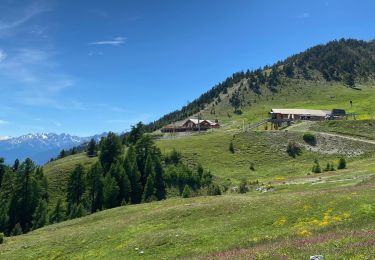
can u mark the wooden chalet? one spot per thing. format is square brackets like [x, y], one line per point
[191, 125]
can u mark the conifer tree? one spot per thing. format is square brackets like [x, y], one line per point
[149, 191]
[76, 186]
[111, 191]
[91, 148]
[2, 169]
[118, 173]
[40, 217]
[95, 187]
[58, 213]
[16, 165]
[160, 190]
[186, 193]
[17, 230]
[110, 150]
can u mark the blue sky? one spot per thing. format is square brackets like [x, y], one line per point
[84, 67]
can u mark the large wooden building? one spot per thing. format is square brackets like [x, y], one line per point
[191, 125]
[279, 115]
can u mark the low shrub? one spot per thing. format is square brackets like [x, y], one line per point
[316, 167]
[342, 163]
[1, 238]
[243, 187]
[213, 190]
[309, 138]
[186, 193]
[293, 149]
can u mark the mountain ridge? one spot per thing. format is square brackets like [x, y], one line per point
[40, 147]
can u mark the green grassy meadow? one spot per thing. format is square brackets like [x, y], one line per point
[301, 214]
[337, 222]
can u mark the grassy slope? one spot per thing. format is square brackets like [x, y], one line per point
[57, 173]
[335, 222]
[360, 128]
[305, 215]
[300, 94]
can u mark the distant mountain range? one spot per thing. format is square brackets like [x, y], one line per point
[40, 147]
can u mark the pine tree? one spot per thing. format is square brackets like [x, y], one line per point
[58, 213]
[2, 169]
[342, 163]
[77, 211]
[17, 230]
[131, 170]
[149, 167]
[40, 217]
[16, 165]
[110, 150]
[118, 173]
[95, 187]
[26, 195]
[76, 186]
[186, 193]
[62, 154]
[110, 191]
[160, 191]
[91, 148]
[149, 191]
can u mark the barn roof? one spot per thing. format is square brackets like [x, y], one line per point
[293, 111]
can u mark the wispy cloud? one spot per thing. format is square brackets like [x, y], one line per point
[304, 15]
[35, 78]
[115, 42]
[13, 19]
[3, 55]
[3, 122]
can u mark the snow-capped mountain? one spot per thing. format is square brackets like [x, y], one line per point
[40, 147]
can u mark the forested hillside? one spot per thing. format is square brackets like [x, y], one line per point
[347, 61]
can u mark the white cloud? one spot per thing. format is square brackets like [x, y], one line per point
[35, 76]
[3, 55]
[9, 23]
[115, 42]
[3, 122]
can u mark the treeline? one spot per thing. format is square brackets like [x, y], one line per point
[23, 197]
[130, 170]
[348, 61]
[142, 175]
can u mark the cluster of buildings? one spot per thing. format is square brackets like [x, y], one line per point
[277, 116]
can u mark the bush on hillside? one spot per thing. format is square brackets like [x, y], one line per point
[1, 238]
[309, 138]
[213, 190]
[252, 166]
[342, 163]
[293, 149]
[243, 187]
[231, 147]
[186, 193]
[316, 167]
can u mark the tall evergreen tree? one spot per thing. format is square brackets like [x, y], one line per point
[2, 169]
[27, 194]
[16, 165]
[91, 148]
[76, 186]
[148, 194]
[40, 216]
[131, 170]
[143, 148]
[118, 173]
[95, 187]
[58, 212]
[160, 190]
[111, 191]
[110, 150]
